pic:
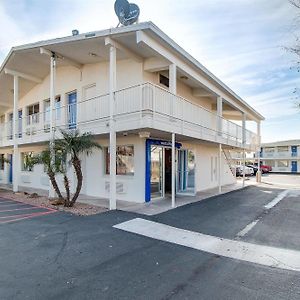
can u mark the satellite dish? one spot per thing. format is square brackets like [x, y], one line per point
[128, 13]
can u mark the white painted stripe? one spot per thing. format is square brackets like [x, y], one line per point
[262, 255]
[277, 199]
[247, 228]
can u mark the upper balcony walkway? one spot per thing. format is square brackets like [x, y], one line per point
[138, 107]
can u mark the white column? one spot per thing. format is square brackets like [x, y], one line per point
[244, 145]
[258, 174]
[220, 114]
[220, 169]
[173, 170]
[15, 136]
[51, 116]
[173, 79]
[112, 131]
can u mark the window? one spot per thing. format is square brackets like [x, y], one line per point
[283, 164]
[125, 160]
[33, 113]
[269, 150]
[164, 80]
[47, 109]
[271, 163]
[25, 158]
[2, 158]
[283, 149]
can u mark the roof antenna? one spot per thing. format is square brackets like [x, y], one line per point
[127, 13]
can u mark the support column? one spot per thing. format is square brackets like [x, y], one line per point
[244, 145]
[220, 169]
[51, 116]
[258, 174]
[15, 136]
[112, 131]
[173, 79]
[173, 170]
[220, 114]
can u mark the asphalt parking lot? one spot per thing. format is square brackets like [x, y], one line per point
[61, 256]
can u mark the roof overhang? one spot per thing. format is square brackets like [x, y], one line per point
[89, 48]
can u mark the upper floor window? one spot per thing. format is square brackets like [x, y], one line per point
[269, 150]
[164, 80]
[283, 149]
[125, 160]
[47, 109]
[33, 113]
[25, 161]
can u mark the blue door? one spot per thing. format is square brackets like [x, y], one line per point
[72, 110]
[294, 151]
[294, 167]
[10, 175]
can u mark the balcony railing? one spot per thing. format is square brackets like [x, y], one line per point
[134, 106]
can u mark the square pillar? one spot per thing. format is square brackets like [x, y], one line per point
[15, 136]
[244, 146]
[173, 170]
[258, 174]
[52, 116]
[220, 169]
[112, 129]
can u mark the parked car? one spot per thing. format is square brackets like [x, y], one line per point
[255, 168]
[248, 171]
[264, 168]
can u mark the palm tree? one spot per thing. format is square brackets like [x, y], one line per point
[74, 145]
[44, 158]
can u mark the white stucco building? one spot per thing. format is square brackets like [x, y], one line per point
[283, 156]
[137, 91]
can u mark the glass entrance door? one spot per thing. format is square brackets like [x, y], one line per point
[157, 172]
[186, 172]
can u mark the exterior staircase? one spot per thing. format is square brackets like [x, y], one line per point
[230, 161]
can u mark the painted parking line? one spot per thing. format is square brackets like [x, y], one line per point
[253, 253]
[244, 231]
[268, 206]
[24, 217]
[16, 211]
[275, 201]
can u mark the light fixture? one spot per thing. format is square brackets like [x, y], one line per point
[144, 134]
[92, 54]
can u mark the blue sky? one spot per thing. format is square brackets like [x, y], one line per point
[240, 41]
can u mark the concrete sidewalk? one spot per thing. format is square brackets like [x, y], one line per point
[162, 205]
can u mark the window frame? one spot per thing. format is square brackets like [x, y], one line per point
[25, 168]
[107, 161]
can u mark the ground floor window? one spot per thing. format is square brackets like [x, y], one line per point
[125, 160]
[25, 161]
[271, 163]
[2, 161]
[283, 164]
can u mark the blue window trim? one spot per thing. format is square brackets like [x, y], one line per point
[149, 143]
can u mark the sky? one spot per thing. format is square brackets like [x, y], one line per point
[240, 41]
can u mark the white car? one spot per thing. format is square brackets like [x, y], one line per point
[248, 171]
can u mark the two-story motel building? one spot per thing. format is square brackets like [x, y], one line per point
[282, 156]
[167, 119]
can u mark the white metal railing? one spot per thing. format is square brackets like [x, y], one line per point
[140, 99]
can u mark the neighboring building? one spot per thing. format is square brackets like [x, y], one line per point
[282, 156]
[131, 83]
